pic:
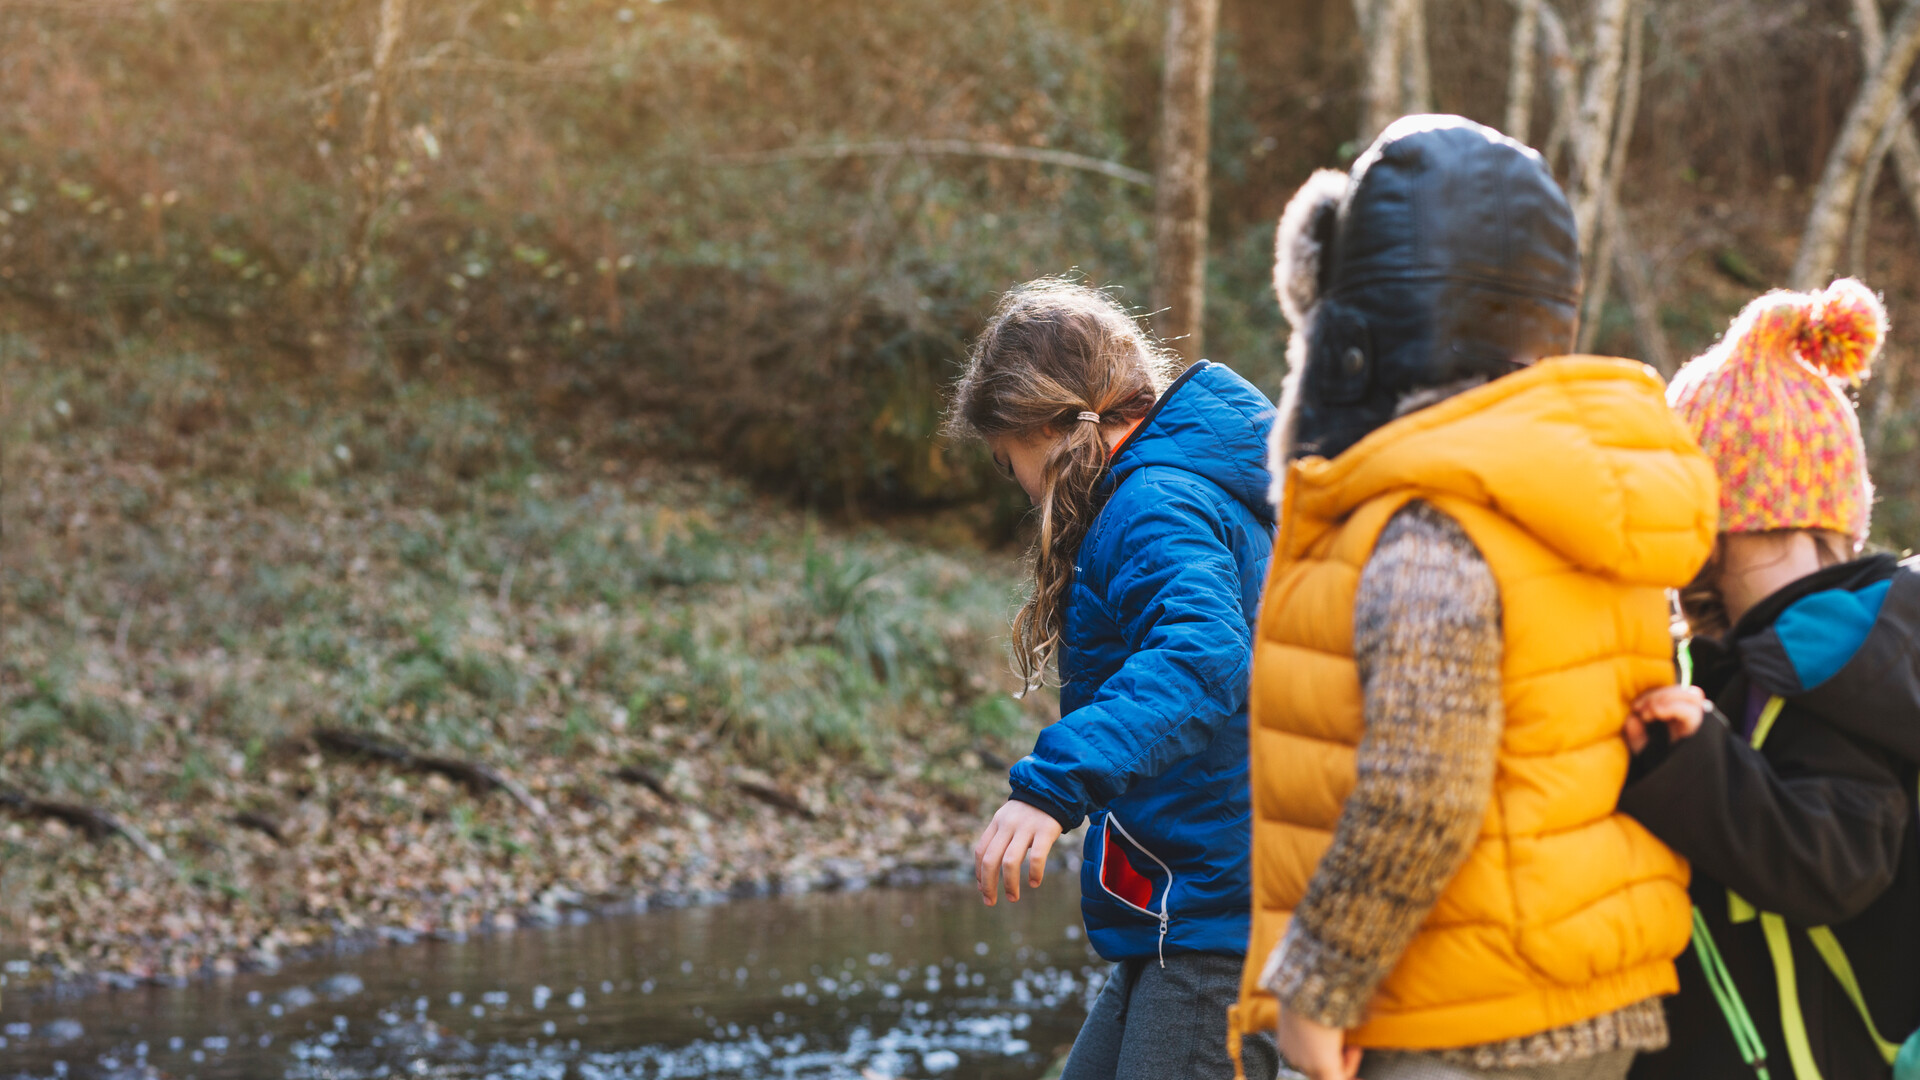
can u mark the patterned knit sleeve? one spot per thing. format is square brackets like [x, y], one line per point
[1428, 644]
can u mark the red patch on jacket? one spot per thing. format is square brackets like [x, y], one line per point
[1119, 877]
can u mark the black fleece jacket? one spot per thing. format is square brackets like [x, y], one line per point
[1818, 826]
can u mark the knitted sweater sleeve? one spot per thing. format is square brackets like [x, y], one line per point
[1427, 642]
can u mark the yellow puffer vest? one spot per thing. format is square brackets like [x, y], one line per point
[1588, 500]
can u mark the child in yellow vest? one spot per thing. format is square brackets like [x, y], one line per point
[1476, 539]
[1795, 804]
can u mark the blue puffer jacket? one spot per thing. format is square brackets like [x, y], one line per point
[1154, 663]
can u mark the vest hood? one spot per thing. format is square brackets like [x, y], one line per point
[1210, 422]
[1581, 452]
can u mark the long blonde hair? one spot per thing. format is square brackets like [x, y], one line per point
[1055, 349]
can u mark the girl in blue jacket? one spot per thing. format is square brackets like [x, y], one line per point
[1154, 536]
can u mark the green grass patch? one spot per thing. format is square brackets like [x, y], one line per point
[265, 556]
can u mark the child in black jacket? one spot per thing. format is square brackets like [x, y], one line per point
[1786, 772]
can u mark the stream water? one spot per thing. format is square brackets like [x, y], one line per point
[885, 983]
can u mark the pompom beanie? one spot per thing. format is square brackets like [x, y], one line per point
[1767, 405]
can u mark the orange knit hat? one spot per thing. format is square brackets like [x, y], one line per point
[1767, 406]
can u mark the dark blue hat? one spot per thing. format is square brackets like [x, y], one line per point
[1449, 254]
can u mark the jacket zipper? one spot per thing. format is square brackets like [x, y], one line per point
[1114, 822]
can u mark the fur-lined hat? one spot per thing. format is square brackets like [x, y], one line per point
[1448, 256]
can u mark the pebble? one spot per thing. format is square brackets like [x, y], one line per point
[343, 985]
[416, 1036]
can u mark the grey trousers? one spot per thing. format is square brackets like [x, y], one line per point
[1398, 1065]
[1154, 1023]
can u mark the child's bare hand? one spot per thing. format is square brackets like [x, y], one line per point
[1680, 708]
[1019, 833]
[1314, 1050]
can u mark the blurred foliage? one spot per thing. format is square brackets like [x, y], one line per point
[633, 209]
[557, 208]
[430, 576]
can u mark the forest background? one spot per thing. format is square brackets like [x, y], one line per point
[551, 390]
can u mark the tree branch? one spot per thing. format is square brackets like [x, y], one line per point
[1840, 181]
[1870, 181]
[1593, 130]
[1643, 299]
[1906, 147]
[1600, 257]
[933, 148]
[376, 136]
[1564, 84]
[1906, 161]
[1520, 66]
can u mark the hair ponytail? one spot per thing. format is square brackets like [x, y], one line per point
[1054, 351]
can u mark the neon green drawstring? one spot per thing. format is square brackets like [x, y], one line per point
[1745, 1036]
[1793, 1023]
[1905, 1058]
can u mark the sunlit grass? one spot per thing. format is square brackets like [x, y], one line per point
[188, 557]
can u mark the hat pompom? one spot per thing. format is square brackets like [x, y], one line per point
[1843, 328]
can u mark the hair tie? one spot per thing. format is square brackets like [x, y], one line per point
[1093, 417]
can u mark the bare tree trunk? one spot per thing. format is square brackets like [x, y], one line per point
[1906, 147]
[1563, 75]
[1599, 279]
[376, 128]
[1383, 28]
[1600, 258]
[1886, 398]
[1869, 182]
[1180, 180]
[1643, 301]
[1887, 377]
[1520, 57]
[1840, 182]
[1416, 74]
[1593, 131]
[1906, 168]
[1365, 14]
